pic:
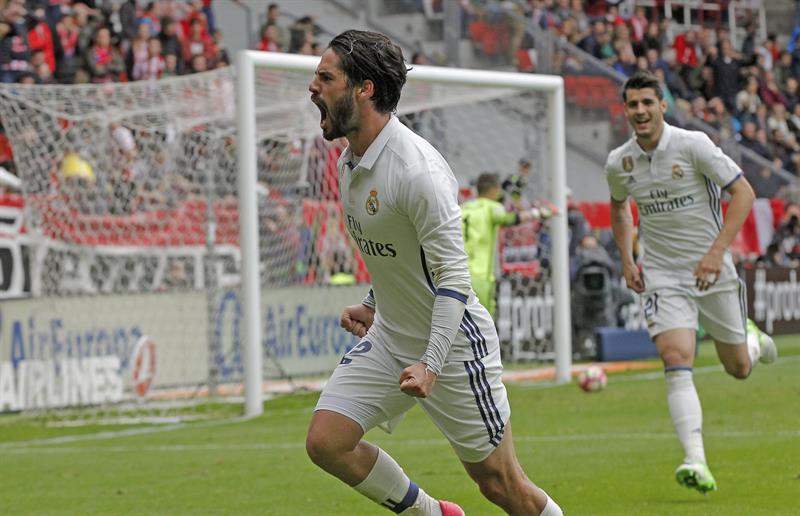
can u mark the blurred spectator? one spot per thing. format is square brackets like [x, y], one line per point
[221, 51]
[638, 24]
[778, 121]
[748, 100]
[626, 61]
[198, 64]
[770, 93]
[783, 68]
[87, 20]
[270, 39]
[301, 31]
[170, 42]
[14, 49]
[516, 185]
[580, 16]
[686, 49]
[281, 33]
[749, 139]
[576, 224]
[794, 121]
[791, 93]
[749, 42]
[151, 16]
[170, 65]
[67, 64]
[102, 59]
[155, 65]
[669, 98]
[197, 43]
[40, 38]
[760, 117]
[652, 38]
[592, 44]
[720, 118]
[138, 59]
[726, 68]
[128, 19]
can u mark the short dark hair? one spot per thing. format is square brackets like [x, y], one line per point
[486, 182]
[640, 80]
[372, 56]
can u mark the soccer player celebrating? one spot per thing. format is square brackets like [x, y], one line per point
[425, 336]
[676, 177]
[481, 219]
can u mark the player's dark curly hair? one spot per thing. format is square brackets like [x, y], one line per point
[642, 79]
[372, 56]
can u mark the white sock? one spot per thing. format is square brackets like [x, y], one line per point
[387, 485]
[687, 415]
[551, 508]
[753, 348]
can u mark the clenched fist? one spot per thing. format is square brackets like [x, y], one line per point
[357, 319]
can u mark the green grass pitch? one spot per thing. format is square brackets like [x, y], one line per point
[612, 452]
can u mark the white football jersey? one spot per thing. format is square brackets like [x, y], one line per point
[401, 208]
[677, 191]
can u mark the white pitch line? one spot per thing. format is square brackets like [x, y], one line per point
[30, 450]
[118, 433]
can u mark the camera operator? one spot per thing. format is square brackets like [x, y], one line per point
[785, 247]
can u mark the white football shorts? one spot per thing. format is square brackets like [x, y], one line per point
[468, 404]
[722, 310]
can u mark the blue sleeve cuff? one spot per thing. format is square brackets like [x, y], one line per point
[452, 293]
[732, 181]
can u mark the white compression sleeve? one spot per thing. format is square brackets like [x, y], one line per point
[448, 310]
[369, 300]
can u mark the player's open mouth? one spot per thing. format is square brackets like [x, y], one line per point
[323, 111]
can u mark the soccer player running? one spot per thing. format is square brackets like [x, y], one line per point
[676, 177]
[425, 338]
[481, 219]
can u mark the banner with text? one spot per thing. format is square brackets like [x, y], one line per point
[58, 352]
[773, 299]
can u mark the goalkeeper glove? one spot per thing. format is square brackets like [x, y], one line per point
[543, 213]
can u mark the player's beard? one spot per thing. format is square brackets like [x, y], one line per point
[342, 118]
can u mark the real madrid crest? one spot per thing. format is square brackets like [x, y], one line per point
[372, 202]
[627, 163]
[677, 172]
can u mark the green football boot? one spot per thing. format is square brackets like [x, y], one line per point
[769, 352]
[696, 475]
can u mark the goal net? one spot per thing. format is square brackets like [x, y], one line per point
[164, 249]
[480, 122]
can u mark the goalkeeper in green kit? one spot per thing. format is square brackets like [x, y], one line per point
[481, 218]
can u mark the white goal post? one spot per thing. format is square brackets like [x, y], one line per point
[552, 87]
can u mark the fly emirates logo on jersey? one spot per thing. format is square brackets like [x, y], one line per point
[661, 202]
[368, 246]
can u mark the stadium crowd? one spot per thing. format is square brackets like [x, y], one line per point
[748, 93]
